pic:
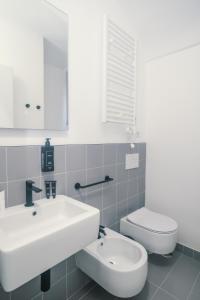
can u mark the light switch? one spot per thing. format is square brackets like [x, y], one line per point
[132, 161]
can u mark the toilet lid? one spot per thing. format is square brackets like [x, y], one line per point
[152, 221]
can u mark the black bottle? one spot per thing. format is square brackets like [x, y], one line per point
[47, 157]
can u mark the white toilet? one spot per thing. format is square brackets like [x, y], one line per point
[115, 262]
[156, 232]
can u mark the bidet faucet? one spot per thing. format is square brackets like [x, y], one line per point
[101, 230]
[30, 188]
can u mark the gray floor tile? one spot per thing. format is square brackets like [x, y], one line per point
[194, 297]
[159, 267]
[146, 293]
[27, 291]
[80, 294]
[58, 272]
[98, 293]
[57, 292]
[75, 281]
[163, 295]
[182, 277]
[195, 292]
[4, 295]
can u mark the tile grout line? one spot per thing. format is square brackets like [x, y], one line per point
[192, 288]
[167, 292]
[86, 293]
[166, 277]
[170, 271]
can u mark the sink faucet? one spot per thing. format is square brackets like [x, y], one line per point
[30, 188]
[101, 230]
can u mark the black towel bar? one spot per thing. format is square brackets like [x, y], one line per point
[78, 186]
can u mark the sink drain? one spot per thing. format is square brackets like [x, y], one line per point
[112, 262]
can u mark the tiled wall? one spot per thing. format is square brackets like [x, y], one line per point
[74, 163]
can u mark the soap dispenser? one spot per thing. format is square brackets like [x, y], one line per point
[47, 157]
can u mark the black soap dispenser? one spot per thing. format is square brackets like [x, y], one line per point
[47, 157]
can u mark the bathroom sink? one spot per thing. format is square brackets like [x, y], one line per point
[34, 239]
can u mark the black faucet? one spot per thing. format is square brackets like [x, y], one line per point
[30, 188]
[101, 230]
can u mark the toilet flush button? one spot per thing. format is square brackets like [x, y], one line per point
[132, 161]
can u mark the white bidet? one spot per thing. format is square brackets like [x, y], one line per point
[116, 263]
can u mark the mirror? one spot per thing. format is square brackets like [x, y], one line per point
[33, 65]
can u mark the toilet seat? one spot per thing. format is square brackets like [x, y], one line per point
[152, 221]
[157, 233]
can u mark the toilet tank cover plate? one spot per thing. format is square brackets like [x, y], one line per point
[152, 221]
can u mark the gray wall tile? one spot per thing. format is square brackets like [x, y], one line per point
[109, 195]
[133, 203]
[95, 175]
[74, 177]
[76, 157]
[142, 150]
[141, 184]
[17, 192]
[122, 173]
[23, 162]
[110, 154]
[133, 187]
[94, 156]
[3, 175]
[122, 209]
[122, 191]
[59, 159]
[109, 215]
[95, 199]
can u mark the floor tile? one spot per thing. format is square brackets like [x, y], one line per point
[159, 267]
[98, 293]
[195, 293]
[163, 295]
[182, 277]
[146, 293]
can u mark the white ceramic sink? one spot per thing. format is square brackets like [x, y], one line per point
[33, 243]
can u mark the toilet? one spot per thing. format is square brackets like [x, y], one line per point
[115, 262]
[156, 232]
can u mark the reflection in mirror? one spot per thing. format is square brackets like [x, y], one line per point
[33, 65]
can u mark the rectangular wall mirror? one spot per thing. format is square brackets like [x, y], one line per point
[33, 65]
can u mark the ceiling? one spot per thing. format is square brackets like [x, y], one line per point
[165, 26]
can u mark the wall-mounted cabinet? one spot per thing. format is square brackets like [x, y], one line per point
[33, 65]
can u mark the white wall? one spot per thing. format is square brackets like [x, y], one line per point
[85, 77]
[173, 138]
